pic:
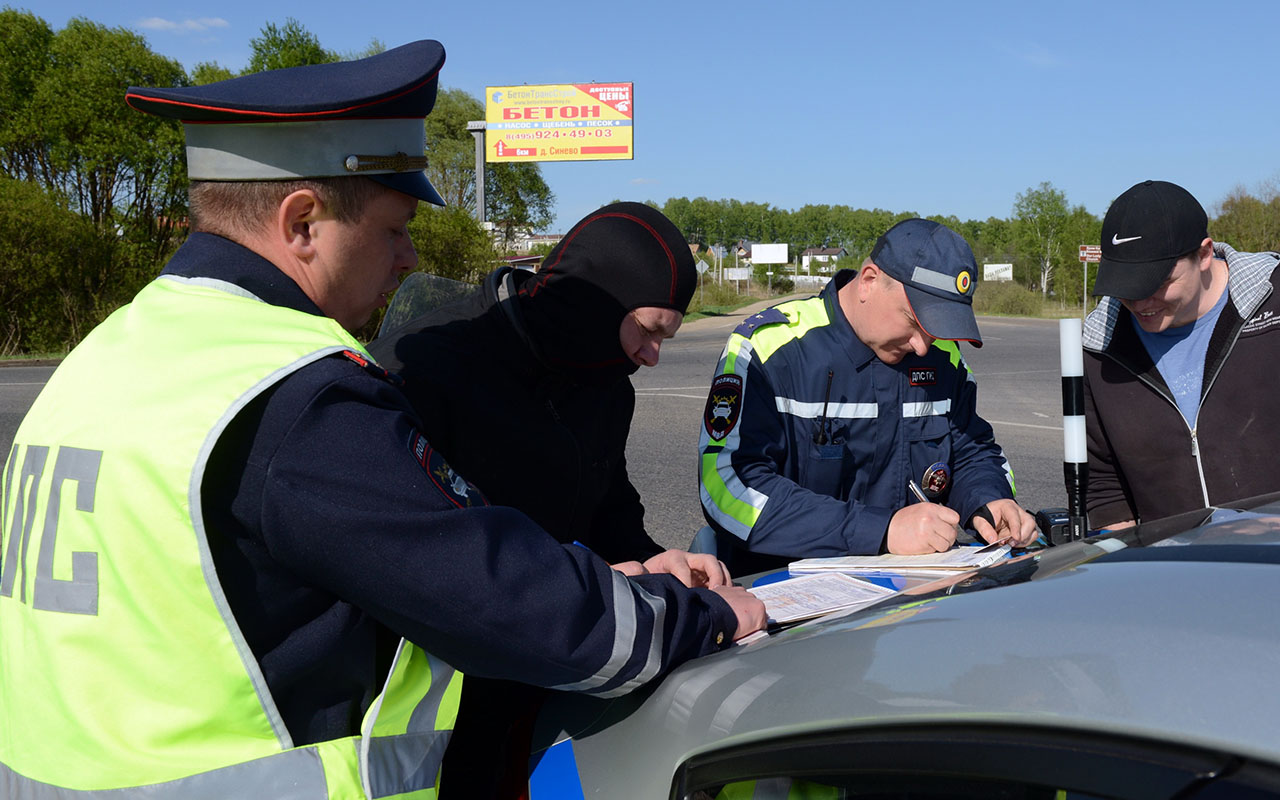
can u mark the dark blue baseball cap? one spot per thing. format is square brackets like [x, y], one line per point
[936, 267]
[351, 118]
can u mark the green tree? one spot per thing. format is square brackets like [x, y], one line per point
[25, 43]
[121, 170]
[451, 244]
[1249, 223]
[207, 72]
[515, 194]
[1042, 214]
[290, 45]
[50, 263]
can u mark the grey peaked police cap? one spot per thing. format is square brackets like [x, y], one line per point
[351, 118]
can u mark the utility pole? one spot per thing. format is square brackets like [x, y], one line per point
[477, 130]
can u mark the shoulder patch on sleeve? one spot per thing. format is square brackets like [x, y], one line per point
[770, 316]
[453, 486]
[724, 406]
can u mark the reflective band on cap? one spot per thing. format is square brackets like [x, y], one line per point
[934, 280]
[288, 150]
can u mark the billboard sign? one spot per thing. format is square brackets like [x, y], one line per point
[558, 122]
[769, 253]
[997, 272]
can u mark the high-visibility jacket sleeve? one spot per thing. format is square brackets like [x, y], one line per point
[351, 498]
[744, 493]
[982, 473]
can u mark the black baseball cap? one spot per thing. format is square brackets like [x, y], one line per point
[936, 267]
[1145, 231]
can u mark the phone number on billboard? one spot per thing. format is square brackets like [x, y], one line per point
[577, 133]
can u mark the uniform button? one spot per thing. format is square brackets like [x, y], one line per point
[720, 637]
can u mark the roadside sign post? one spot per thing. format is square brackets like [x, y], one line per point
[477, 128]
[1089, 254]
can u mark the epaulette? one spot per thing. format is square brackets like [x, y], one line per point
[770, 316]
[373, 369]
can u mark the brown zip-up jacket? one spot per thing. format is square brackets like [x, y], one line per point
[1145, 461]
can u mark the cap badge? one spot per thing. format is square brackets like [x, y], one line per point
[963, 281]
[1115, 239]
[400, 162]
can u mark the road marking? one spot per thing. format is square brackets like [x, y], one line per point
[1026, 425]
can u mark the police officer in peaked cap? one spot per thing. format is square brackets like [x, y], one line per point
[232, 564]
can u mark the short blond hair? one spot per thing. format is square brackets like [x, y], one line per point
[234, 209]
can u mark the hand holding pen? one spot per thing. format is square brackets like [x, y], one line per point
[922, 528]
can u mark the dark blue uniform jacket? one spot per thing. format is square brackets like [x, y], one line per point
[809, 440]
[331, 540]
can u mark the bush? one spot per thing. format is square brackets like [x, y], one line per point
[48, 256]
[1007, 298]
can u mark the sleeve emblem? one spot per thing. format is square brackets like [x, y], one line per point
[724, 404]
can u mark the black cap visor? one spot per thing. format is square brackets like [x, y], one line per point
[1131, 281]
[942, 318]
[414, 184]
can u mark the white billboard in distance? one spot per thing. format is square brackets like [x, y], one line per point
[997, 272]
[769, 253]
[737, 273]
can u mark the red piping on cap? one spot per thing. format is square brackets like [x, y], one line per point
[283, 114]
[671, 259]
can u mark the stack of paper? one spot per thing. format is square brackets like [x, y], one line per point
[946, 563]
[815, 595]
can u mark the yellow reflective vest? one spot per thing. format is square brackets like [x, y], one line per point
[121, 666]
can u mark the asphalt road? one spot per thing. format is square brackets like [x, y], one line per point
[1019, 393]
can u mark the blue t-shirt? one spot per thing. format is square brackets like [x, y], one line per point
[1179, 354]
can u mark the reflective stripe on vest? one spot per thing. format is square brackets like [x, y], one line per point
[122, 670]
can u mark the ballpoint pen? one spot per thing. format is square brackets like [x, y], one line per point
[961, 533]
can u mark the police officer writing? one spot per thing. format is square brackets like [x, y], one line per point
[233, 566]
[823, 410]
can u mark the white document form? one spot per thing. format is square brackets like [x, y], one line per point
[814, 595]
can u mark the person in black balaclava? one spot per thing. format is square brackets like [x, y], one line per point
[524, 389]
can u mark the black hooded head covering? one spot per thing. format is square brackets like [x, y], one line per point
[619, 258]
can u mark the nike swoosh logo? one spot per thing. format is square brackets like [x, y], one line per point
[1114, 240]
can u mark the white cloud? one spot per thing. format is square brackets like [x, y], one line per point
[641, 181]
[185, 26]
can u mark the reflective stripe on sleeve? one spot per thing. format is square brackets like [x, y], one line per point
[625, 641]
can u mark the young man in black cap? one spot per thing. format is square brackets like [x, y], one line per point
[266, 576]
[824, 410]
[1178, 415]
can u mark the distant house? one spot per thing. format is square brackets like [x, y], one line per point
[823, 256]
[530, 263]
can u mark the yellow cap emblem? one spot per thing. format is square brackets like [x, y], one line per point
[963, 282]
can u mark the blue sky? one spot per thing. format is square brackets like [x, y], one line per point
[933, 107]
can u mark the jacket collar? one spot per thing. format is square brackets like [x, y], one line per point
[1248, 285]
[859, 353]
